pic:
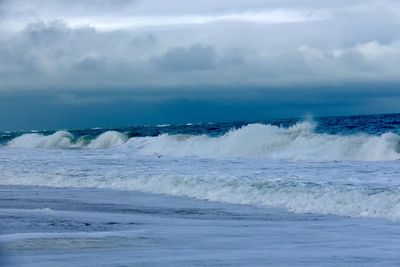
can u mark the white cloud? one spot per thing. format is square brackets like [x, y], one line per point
[370, 61]
[264, 17]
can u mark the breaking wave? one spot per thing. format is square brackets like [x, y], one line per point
[298, 142]
[108, 139]
[64, 139]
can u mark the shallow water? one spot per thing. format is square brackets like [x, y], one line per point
[44, 226]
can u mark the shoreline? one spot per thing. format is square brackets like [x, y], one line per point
[44, 226]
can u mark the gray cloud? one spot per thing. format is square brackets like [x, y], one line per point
[196, 57]
[44, 46]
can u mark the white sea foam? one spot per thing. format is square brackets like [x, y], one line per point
[65, 140]
[108, 139]
[298, 198]
[298, 142]
[60, 139]
[244, 166]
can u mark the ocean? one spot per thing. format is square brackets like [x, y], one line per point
[290, 192]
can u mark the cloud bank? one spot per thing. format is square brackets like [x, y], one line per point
[147, 44]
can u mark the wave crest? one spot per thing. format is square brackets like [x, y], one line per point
[298, 142]
[60, 139]
[66, 140]
[108, 139]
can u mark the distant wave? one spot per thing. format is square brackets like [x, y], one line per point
[298, 142]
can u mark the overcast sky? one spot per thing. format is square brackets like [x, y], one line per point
[106, 63]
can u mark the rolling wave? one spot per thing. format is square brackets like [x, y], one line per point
[298, 142]
[65, 140]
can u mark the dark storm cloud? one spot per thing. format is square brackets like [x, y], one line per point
[55, 55]
[110, 52]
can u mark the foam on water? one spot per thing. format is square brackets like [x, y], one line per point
[108, 139]
[298, 142]
[296, 168]
[298, 197]
[60, 139]
[65, 140]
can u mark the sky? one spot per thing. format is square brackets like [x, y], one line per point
[77, 64]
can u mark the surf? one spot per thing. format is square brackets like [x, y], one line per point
[297, 142]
